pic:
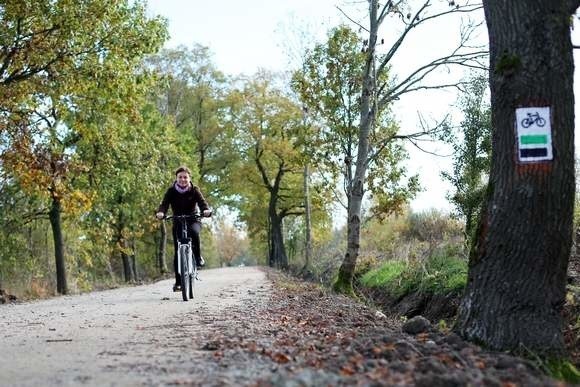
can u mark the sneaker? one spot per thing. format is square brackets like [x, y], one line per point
[176, 288]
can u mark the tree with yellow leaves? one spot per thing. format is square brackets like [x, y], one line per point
[67, 71]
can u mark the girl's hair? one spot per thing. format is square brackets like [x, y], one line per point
[183, 169]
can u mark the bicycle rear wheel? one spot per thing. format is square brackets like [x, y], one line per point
[185, 279]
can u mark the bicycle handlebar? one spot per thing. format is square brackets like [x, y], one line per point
[196, 215]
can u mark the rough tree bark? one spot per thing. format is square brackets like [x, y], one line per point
[517, 269]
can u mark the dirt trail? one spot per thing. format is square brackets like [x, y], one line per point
[120, 337]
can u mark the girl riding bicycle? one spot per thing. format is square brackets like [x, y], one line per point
[184, 198]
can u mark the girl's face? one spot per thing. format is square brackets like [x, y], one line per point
[183, 179]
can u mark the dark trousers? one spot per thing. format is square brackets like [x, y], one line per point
[193, 229]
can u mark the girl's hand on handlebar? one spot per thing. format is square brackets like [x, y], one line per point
[160, 215]
[206, 213]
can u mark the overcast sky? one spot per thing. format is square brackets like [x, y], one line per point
[251, 34]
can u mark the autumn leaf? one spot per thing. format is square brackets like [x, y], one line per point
[347, 370]
[280, 358]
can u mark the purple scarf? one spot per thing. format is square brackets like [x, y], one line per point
[181, 190]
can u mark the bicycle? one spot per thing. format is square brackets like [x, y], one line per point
[185, 265]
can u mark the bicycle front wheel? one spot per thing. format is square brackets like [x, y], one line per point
[192, 282]
[185, 279]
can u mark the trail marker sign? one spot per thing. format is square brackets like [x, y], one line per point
[534, 134]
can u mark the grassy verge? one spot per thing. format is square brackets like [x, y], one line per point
[437, 275]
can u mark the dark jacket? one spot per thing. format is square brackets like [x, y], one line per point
[183, 203]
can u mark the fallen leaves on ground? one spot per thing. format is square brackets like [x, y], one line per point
[313, 337]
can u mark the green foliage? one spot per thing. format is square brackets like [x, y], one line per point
[268, 179]
[365, 263]
[328, 252]
[329, 86]
[408, 239]
[74, 130]
[471, 154]
[387, 274]
[561, 369]
[440, 274]
[192, 97]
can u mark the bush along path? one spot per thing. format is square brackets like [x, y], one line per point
[306, 336]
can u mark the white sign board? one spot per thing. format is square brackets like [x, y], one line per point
[534, 132]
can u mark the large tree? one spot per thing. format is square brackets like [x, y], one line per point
[269, 126]
[517, 269]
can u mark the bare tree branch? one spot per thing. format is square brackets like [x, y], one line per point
[395, 47]
[415, 143]
[405, 86]
[466, 59]
[349, 18]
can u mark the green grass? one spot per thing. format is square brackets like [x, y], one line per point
[438, 275]
[386, 274]
[562, 369]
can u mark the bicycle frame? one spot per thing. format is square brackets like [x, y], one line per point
[186, 267]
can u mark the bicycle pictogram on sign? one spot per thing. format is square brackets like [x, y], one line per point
[533, 118]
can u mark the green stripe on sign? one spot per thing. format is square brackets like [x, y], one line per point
[537, 139]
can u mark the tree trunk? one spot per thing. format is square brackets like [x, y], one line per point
[307, 220]
[134, 260]
[271, 258]
[517, 269]
[127, 267]
[161, 253]
[125, 258]
[343, 283]
[278, 257]
[30, 243]
[55, 222]
[356, 188]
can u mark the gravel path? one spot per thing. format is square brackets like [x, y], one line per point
[121, 337]
[247, 327]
